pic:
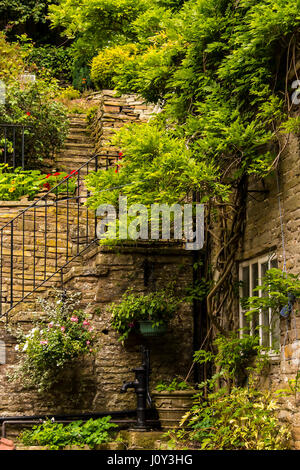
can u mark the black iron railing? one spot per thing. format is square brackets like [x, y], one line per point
[44, 238]
[12, 144]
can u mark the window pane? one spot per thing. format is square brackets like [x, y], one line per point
[246, 286]
[265, 322]
[275, 321]
[246, 293]
[264, 269]
[274, 263]
[255, 318]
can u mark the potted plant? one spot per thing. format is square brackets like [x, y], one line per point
[149, 314]
[172, 401]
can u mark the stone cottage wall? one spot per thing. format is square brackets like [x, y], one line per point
[264, 235]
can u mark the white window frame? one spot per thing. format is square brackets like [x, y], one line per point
[259, 260]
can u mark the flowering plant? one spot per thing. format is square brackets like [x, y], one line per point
[49, 347]
[52, 179]
[158, 307]
[16, 183]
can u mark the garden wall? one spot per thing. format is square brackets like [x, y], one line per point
[114, 112]
[102, 277]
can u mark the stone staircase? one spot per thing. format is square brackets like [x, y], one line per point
[79, 145]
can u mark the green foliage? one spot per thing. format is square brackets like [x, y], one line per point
[48, 349]
[58, 61]
[106, 64]
[219, 68]
[174, 385]
[159, 307]
[17, 12]
[35, 105]
[81, 19]
[11, 60]
[81, 79]
[226, 414]
[245, 419]
[17, 183]
[276, 288]
[197, 291]
[55, 436]
[69, 93]
[292, 389]
[156, 167]
[235, 356]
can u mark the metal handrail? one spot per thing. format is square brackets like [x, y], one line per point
[14, 127]
[78, 221]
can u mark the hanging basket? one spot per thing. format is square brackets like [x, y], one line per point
[148, 329]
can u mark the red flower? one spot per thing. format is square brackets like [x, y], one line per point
[121, 154]
[28, 113]
[47, 186]
[74, 172]
[56, 174]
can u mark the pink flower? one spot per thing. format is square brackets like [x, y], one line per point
[85, 323]
[91, 328]
[91, 350]
[62, 328]
[43, 342]
[88, 342]
[74, 319]
[50, 324]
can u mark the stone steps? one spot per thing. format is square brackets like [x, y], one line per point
[79, 145]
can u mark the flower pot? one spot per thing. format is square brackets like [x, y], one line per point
[148, 329]
[172, 406]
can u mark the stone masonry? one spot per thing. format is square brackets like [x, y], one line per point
[265, 235]
[101, 276]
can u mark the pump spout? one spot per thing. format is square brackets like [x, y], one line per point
[127, 385]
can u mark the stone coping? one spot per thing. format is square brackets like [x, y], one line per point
[160, 247]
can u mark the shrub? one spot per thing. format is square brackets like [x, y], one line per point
[159, 307]
[81, 77]
[226, 416]
[11, 60]
[49, 348]
[57, 61]
[69, 93]
[35, 105]
[15, 184]
[173, 385]
[106, 64]
[56, 435]
[245, 419]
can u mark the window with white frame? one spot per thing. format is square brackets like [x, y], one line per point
[266, 324]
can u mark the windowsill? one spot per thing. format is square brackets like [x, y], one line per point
[273, 357]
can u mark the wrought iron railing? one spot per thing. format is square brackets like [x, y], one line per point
[12, 144]
[44, 238]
